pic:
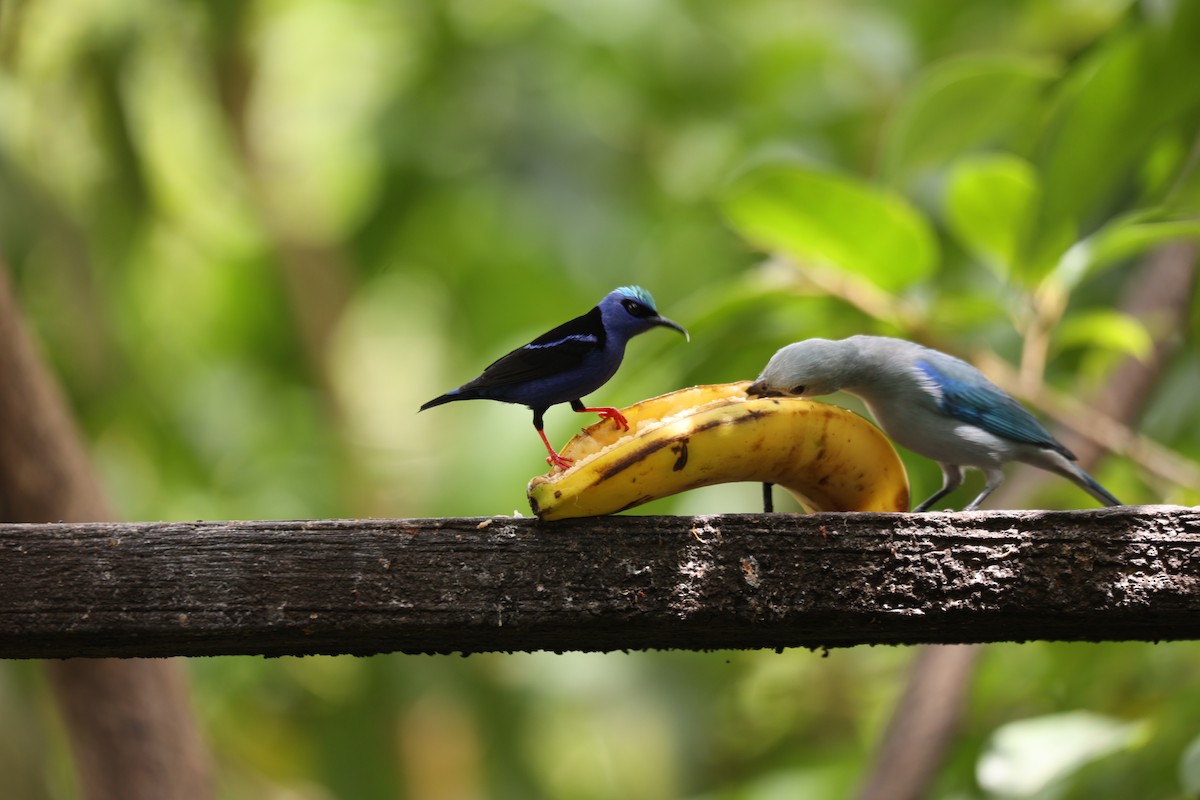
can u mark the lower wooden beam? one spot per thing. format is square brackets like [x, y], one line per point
[610, 583]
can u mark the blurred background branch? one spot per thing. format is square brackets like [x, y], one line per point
[129, 722]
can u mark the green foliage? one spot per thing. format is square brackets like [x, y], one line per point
[1027, 757]
[829, 219]
[1119, 241]
[1111, 110]
[1104, 328]
[991, 205]
[1189, 768]
[960, 106]
[255, 236]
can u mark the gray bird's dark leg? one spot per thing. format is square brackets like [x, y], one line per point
[995, 477]
[768, 501]
[952, 477]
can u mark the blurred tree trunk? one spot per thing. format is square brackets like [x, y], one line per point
[315, 271]
[129, 721]
[929, 711]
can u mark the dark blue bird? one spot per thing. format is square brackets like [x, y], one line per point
[563, 365]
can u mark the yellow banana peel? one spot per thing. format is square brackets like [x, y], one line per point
[829, 458]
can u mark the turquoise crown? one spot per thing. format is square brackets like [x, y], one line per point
[639, 294]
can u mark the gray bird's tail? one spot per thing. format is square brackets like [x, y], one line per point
[1056, 462]
[1089, 485]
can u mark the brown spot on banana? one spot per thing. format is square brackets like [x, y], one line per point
[829, 458]
[681, 451]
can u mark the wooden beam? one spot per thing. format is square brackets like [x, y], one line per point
[609, 583]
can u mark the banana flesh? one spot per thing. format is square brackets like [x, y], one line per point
[829, 458]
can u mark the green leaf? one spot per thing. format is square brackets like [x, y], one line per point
[1120, 240]
[1116, 105]
[1183, 197]
[959, 105]
[1111, 330]
[990, 206]
[834, 220]
[1025, 757]
[1189, 768]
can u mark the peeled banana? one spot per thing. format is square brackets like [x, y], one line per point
[829, 458]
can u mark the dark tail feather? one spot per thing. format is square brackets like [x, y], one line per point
[1089, 485]
[448, 397]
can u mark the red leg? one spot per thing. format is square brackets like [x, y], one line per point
[606, 412]
[554, 459]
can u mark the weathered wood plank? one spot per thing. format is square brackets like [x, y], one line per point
[612, 583]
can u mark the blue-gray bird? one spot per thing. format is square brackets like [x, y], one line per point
[563, 365]
[935, 405]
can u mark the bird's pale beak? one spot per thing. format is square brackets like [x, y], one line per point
[666, 323]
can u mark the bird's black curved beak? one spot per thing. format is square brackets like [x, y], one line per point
[757, 389]
[666, 323]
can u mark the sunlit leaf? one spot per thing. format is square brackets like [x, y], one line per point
[1024, 757]
[1120, 240]
[1189, 768]
[834, 220]
[1104, 328]
[990, 204]
[960, 104]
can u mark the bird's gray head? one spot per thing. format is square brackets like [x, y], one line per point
[630, 310]
[809, 368]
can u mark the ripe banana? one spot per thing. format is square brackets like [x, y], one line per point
[829, 458]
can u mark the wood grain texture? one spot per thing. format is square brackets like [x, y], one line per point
[610, 583]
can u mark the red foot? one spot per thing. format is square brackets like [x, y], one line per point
[554, 459]
[609, 413]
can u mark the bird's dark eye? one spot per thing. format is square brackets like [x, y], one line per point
[798, 389]
[637, 309]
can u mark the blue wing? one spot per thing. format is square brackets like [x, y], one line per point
[967, 395]
[554, 352]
